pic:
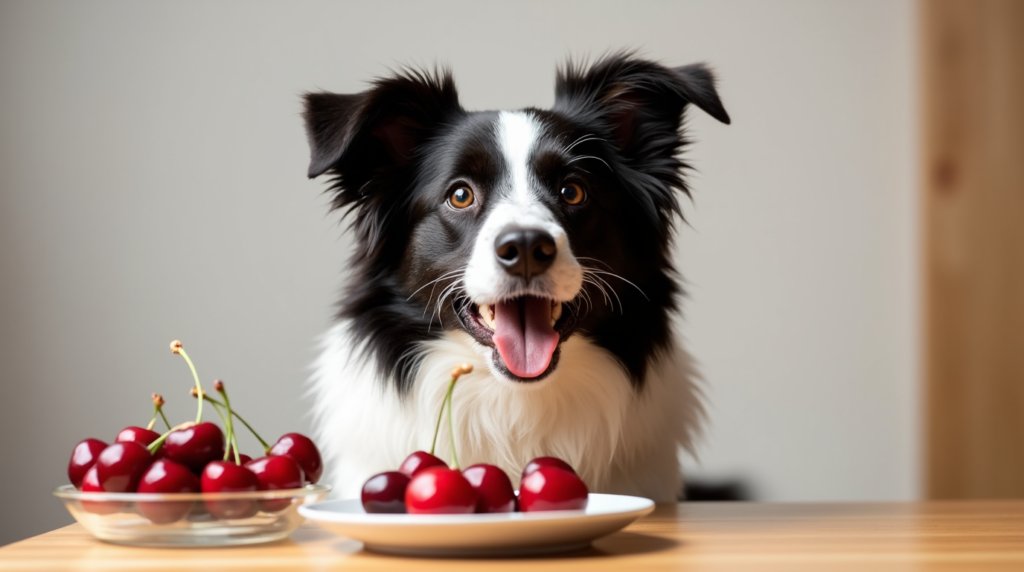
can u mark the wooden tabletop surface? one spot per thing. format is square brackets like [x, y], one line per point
[964, 535]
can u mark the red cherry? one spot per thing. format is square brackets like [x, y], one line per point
[418, 461]
[136, 435]
[302, 449]
[224, 477]
[196, 446]
[385, 493]
[276, 473]
[552, 488]
[244, 458]
[82, 458]
[439, 490]
[165, 476]
[120, 466]
[493, 488]
[545, 462]
[91, 484]
[199, 512]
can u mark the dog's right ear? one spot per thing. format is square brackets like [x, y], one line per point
[380, 127]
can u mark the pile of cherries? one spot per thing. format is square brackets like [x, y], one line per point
[192, 457]
[424, 484]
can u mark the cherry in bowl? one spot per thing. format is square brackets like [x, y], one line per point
[195, 446]
[91, 484]
[303, 450]
[225, 477]
[274, 474]
[120, 466]
[82, 459]
[167, 477]
[139, 435]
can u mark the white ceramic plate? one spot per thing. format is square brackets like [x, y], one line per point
[478, 534]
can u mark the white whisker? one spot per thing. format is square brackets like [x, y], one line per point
[595, 271]
[583, 139]
[578, 157]
[442, 277]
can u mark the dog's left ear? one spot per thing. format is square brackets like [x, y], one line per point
[637, 99]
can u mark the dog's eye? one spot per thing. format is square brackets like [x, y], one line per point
[461, 198]
[572, 194]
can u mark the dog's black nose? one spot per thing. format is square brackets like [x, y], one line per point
[525, 252]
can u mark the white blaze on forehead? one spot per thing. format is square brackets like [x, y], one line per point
[519, 203]
[517, 133]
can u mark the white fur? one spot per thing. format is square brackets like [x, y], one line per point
[586, 413]
[517, 133]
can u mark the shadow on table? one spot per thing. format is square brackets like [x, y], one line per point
[618, 544]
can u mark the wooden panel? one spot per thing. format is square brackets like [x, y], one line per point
[972, 536]
[973, 92]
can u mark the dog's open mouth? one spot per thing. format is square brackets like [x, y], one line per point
[525, 332]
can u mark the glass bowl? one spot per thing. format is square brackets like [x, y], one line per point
[190, 519]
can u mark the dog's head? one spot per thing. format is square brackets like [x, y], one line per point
[519, 228]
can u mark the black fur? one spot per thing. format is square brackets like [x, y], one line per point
[395, 151]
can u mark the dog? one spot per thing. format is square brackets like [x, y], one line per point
[533, 245]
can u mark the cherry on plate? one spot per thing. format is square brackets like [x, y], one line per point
[552, 488]
[546, 462]
[224, 477]
[385, 493]
[120, 466]
[302, 449]
[91, 484]
[138, 435]
[167, 477]
[274, 474]
[196, 446]
[493, 488]
[419, 461]
[439, 490]
[82, 458]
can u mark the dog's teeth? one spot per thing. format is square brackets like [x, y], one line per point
[487, 315]
[556, 313]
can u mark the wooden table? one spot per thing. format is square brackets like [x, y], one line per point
[693, 536]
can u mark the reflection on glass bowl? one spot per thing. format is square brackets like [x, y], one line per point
[190, 519]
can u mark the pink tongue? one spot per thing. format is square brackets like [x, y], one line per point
[524, 336]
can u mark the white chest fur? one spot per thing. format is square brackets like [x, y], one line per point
[585, 412]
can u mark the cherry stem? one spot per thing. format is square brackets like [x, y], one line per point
[440, 414]
[164, 417]
[232, 438]
[158, 403]
[456, 373]
[266, 447]
[451, 426]
[215, 407]
[176, 348]
[152, 422]
[160, 440]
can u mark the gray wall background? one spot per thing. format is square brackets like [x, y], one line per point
[152, 187]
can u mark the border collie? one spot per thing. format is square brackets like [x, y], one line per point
[532, 244]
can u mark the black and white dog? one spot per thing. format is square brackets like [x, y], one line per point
[532, 244]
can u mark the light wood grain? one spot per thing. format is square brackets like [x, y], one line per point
[973, 94]
[966, 535]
